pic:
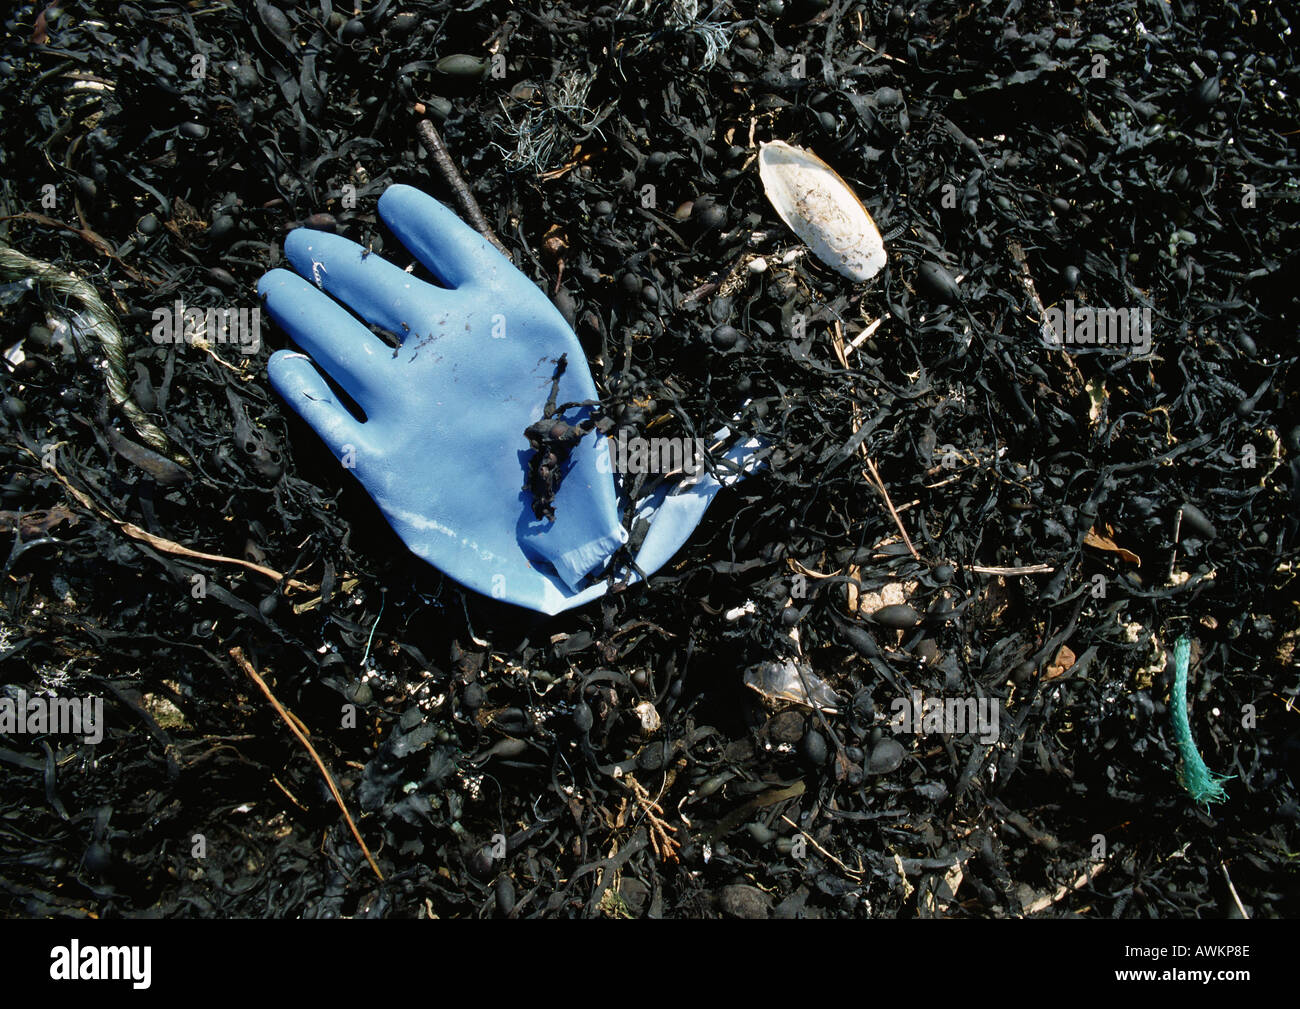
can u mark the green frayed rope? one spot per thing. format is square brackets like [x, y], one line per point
[1202, 784]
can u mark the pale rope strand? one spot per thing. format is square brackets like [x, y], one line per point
[15, 264]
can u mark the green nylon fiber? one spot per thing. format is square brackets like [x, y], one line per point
[1202, 784]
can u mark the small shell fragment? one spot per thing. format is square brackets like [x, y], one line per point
[650, 721]
[822, 210]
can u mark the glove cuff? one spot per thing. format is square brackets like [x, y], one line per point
[574, 565]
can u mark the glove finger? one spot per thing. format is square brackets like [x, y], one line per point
[381, 293]
[439, 239]
[350, 354]
[296, 379]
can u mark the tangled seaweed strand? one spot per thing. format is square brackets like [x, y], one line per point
[1202, 784]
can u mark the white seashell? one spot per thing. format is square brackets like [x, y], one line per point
[822, 210]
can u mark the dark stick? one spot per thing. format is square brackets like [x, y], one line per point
[432, 142]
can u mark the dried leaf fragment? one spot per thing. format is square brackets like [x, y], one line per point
[1095, 539]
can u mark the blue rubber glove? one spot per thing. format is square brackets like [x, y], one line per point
[442, 449]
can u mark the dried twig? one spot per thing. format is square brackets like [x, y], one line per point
[1233, 890]
[1083, 880]
[837, 340]
[854, 874]
[284, 788]
[884, 492]
[292, 721]
[170, 546]
[1024, 569]
[433, 143]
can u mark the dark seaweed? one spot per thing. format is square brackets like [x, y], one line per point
[493, 759]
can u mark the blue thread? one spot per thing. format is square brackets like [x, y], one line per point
[373, 627]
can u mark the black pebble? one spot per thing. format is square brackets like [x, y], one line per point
[886, 757]
[725, 337]
[222, 229]
[710, 216]
[505, 894]
[743, 901]
[814, 748]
